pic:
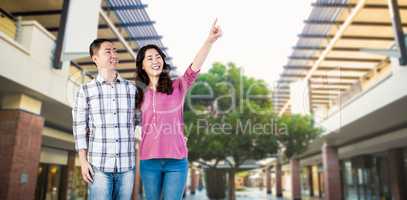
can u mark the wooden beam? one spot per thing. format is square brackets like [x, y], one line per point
[348, 37]
[106, 26]
[339, 59]
[356, 23]
[328, 68]
[352, 5]
[58, 11]
[118, 35]
[322, 77]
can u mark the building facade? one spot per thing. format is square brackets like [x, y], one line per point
[39, 77]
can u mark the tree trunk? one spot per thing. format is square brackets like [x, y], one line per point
[231, 188]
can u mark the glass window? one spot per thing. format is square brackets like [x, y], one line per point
[305, 182]
[366, 177]
[321, 181]
[349, 188]
[49, 181]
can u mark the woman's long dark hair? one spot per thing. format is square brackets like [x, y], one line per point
[164, 82]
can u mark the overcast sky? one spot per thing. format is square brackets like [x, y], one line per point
[258, 35]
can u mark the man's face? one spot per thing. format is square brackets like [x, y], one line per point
[106, 56]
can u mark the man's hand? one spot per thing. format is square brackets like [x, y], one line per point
[87, 172]
[86, 168]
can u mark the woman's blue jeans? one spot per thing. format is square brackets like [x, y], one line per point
[164, 177]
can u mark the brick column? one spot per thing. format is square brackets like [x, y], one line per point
[279, 174]
[295, 179]
[397, 177]
[20, 148]
[332, 176]
[268, 179]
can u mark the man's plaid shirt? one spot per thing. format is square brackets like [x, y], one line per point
[104, 120]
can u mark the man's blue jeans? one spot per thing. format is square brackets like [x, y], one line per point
[107, 186]
[164, 177]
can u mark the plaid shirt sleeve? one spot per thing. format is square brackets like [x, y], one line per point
[80, 117]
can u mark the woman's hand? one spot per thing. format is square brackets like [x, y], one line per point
[215, 32]
[200, 57]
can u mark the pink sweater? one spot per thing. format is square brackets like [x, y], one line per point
[162, 122]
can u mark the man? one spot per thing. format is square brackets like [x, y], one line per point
[103, 125]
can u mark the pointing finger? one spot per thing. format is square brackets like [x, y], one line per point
[214, 23]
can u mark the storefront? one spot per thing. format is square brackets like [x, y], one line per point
[54, 180]
[51, 185]
[312, 181]
[306, 181]
[366, 177]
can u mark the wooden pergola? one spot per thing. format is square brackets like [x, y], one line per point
[343, 49]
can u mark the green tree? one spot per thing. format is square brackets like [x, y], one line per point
[300, 132]
[238, 119]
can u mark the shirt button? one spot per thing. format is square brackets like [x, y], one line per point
[115, 126]
[117, 154]
[114, 113]
[117, 140]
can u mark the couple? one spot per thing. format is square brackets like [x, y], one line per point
[104, 119]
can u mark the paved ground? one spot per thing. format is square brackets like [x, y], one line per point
[247, 194]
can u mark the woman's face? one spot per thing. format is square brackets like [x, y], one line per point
[153, 63]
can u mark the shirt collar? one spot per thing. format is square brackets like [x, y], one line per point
[100, 78]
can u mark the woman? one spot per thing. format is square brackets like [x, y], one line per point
[163, 150]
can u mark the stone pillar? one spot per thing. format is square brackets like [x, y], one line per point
[20, 146]
[279, 174]
[332, 176]
[397, 177]
[268, 179]
[295, 179]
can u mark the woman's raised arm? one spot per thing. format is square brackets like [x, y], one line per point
[200, 57]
